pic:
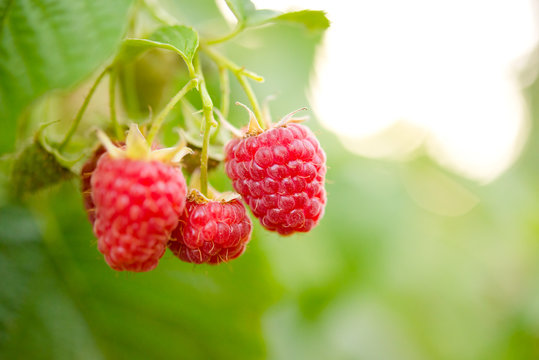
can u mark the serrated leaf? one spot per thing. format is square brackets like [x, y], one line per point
[261, 16]
[241, 9]
[36, 168]
[178, 38]
[313, 20]
[52, 44]
[183, 38]
[247, 15]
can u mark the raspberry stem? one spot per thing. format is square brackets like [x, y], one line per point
[112, 102]
[241, 74]
[237, 29]
[156, 124]
[252, 99]
[207, 107]
[224, 84]
[82, 109]
[225, 90]
[221, 60]
[158, 13]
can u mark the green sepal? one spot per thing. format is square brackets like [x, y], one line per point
[36, 168]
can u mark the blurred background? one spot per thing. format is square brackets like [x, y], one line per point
[429, 248]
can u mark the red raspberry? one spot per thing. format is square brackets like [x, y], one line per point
[138, 204]
[138, 197]
[211, 231]
[280, 173]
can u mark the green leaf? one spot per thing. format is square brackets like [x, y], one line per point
[178, 38]
[4, 7]
[261, 16]
[248, 15]
[36, 168]
[313, 20]
[20, 260]
[51, 44]
[79, 301]
[241, 9]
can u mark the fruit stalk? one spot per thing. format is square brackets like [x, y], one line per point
[158, 122]
[207, 108]
[237, 29]
[241, 74]
[112, 102]
[82, 109]
[223, 61]
[225, 90]
[252, 99]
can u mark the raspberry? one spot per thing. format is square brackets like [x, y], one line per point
[280, 174]
[138, 200]
[211, 231]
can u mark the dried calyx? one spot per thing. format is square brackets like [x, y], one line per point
[137, 148]
[195, 195]
[254, 127]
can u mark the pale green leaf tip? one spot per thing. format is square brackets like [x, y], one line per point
[171, 155]
[113, 151]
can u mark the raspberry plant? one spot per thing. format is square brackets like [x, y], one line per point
[133, 188]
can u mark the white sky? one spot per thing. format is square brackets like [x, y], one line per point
[448, 69]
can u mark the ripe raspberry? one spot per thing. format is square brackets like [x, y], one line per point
[85, 180]
[211, 231]
[138, 199]
[280, 173]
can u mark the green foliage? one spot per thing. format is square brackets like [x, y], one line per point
[383, 276]
[241, 9]
[181, 39]
[312, 20]
[21, 255]
[80, 308]
[247, 15]
[52, 44]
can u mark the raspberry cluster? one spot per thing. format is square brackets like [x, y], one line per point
[211, 231]
[280, 173]
[137, 198]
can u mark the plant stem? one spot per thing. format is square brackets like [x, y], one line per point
[158, 121]
[207, 107]
[223, 61]
[82, 109]
[132, 19]
[224, 84]
[241, 74]
[225, 90]
[238, 29]
[112, 102]
[252, 99]
[158, 13]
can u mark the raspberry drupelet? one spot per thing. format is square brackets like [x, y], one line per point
[211, 231]
[280, 173]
